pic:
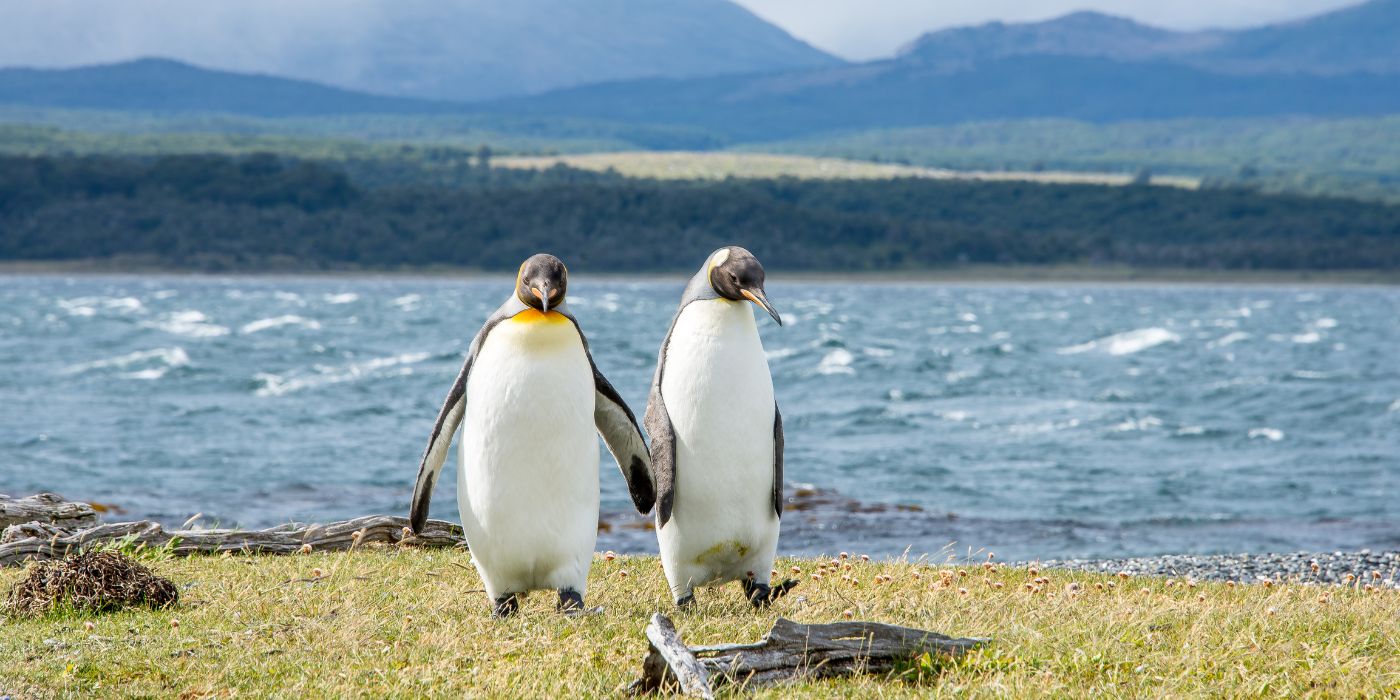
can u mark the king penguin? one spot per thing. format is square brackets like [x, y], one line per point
[717, 436]
[529, 398]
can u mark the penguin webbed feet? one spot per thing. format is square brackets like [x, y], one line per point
[761, 595]
[505, 606]
[686, 602]
[571, 604]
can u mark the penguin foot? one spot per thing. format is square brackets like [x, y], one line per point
[686, 602]
[761, 595]
[570, 600]
[505, 606]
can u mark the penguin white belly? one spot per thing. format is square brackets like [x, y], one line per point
[527, 484]
[719, 395]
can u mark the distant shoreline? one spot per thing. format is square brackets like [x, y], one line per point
[970, 274]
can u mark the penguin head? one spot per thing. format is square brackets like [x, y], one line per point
[542, 282]
[735, 274]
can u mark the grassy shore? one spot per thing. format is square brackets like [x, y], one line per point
[384, 623]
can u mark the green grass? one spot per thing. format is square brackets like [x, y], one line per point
[384, 622]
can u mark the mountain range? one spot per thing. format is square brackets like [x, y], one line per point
[1362, 38]
[1084, 66]
[456, 50]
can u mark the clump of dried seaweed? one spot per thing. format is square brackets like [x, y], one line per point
[90, 581]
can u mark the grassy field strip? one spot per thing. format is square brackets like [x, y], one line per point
[395, 623]
[697, 165]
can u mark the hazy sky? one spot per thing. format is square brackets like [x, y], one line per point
[861, 29]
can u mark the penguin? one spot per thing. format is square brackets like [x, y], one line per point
[529, 398]
[717, 436]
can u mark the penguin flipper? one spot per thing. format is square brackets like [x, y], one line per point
[663, 455]
[777, 461]
[618, 427]
[449, 417]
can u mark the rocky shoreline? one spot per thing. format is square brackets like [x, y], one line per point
[1359, 569]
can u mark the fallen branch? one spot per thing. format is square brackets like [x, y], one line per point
[36, 541]
[790, 651]
[45, 508]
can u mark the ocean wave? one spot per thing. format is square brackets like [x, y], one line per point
[1325, 323]
[837, 361]
[192, 324]
[1228, 339]
[1137, 424]
[345, 298]
[88, 306]
[1307, 338]
[1270, 434]
[779, 353]
[1125, 343]
[281, 384]
[165, 357]
[407, 301]
[263, 324]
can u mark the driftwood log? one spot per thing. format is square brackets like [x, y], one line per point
[45, 508]
[791, 651]
[37, 541]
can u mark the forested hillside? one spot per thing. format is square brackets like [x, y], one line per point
[219, 212]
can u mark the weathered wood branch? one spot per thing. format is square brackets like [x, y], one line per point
[39, 541]
[790, 651]
[45, 508]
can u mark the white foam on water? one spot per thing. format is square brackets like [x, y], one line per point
[1394, 407]
[1125, 343]
[1270, 434]
[1310, 374]
[877, 352]
[263, 324]
[153, 373]
[1228, 339]
[1307, 338]
[169, 357]
[1325, 323]
[164, 294]
[837, 361]
[346, 298]
[88, 306]
[189, 323]
[955, 416]
[1137, 424]
[409, 301]
[282, 384]
[779, 353]
[1191, 430]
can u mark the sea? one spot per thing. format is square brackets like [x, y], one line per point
[1022, 421]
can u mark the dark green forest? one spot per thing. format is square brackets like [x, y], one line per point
[213, 212]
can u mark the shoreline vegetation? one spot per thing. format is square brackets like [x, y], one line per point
[390, 621]
[268, 212]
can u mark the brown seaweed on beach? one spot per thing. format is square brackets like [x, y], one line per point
[90, 581]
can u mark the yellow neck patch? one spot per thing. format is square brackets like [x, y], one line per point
[534, 316]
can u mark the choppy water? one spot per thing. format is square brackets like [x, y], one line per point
[1032, 421]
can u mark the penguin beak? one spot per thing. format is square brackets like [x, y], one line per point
[544, 299]
[758, 297]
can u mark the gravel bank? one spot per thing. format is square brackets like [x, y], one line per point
[1332, 568]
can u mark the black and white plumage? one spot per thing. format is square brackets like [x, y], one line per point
[717, 435]
[529, 398]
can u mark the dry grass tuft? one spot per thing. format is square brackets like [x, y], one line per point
[91, 581]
